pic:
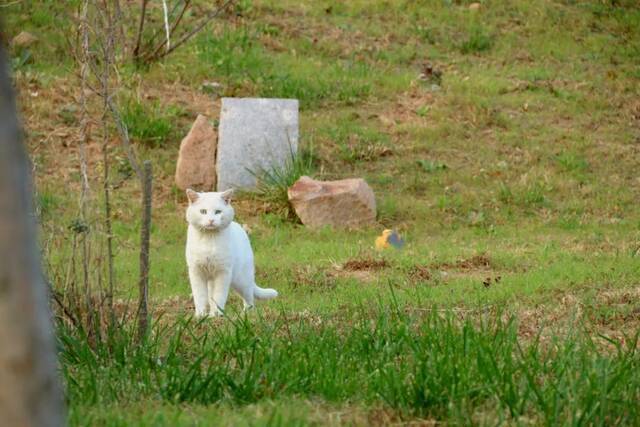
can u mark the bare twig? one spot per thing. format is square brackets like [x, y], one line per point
[10, 3]
[96, 52]
[173, 28]
[159, 31]
[210, 16]
[84, 138]
[66, 310]
[124, 136]
[179, 18]
[107, 61]
[143, 13]
[119, 23]
[69, 288]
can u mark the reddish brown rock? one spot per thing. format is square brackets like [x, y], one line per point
[344, 203]
[196, 167]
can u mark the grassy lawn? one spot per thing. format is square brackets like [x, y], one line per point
[511, 172]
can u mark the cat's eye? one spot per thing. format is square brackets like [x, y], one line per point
[218, 212]
[203, 211]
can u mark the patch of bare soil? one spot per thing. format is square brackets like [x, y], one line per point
[476, 262]
[406, 107]
[362, 269]
[479, 267]
[420, 273]
[357, 264]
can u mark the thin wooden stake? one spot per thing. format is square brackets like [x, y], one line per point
[143, 285]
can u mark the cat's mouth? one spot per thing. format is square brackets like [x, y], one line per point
[209, 227]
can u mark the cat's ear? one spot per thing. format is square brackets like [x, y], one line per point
[227, 195]
[192, 195]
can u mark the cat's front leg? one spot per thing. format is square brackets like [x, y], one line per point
[199, 291]
[219, 292]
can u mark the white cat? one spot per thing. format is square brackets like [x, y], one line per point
[219, 255]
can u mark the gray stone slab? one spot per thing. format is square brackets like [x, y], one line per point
[254, 134]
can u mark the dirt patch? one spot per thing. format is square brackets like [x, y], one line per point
[479, 265]
[408, 107]
[362, 269]
[420, 273]
[476, 262]
[359, 264]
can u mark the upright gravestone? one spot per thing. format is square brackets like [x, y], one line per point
[255, 135]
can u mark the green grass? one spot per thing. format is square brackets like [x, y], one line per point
[478, 40]
[237, 55]
[356, 143]
[46, 203]
[430, 366]
[513, 181]
[149, 123]
[272, 184]
[430, 166]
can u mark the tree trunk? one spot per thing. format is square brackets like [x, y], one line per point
[30, 394]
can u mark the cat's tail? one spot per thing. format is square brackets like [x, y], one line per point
[264, 293]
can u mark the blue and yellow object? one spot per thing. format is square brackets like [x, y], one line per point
[389, 238]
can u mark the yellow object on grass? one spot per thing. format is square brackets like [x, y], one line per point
[387, 239]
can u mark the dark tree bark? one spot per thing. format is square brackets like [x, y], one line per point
[143, 15]
[30, 394]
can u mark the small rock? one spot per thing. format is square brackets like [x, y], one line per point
[24, 40]
[196, 162]
[474, 6]
[347, 202]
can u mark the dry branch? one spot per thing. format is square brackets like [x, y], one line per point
[107, 62]
[143, 14]
[85, 59]
[157, 54]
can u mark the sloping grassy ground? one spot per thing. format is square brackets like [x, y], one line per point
[513, 176]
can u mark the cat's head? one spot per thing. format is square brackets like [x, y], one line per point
[209, 212]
